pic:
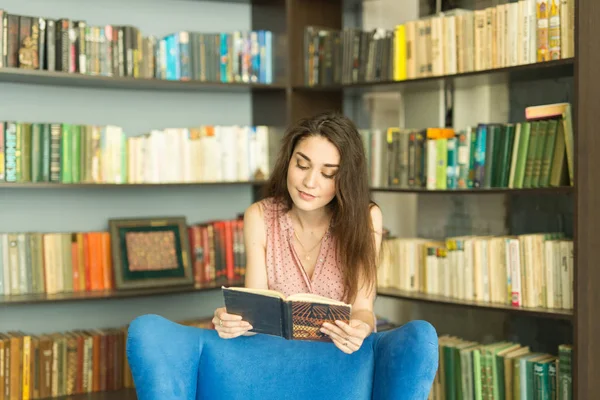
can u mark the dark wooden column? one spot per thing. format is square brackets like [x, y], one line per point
[586, 374]
[302, 13]
[269, 106]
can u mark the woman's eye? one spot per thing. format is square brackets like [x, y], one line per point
[301, 166]
[328, 176]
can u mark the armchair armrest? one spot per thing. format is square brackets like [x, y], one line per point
[406, 361]
[163, 357]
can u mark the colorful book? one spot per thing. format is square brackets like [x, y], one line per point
[297, 317]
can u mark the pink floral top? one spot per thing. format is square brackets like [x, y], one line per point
[285, 272]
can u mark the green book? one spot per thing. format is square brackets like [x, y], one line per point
[472, 149]
[441, 146]
[542, 135]
[477, 374]
[565, 372]
[507, 155]
[528, 375]
[467, 371]
[521, 154]
[541, 378]
[449, 372]
[558, 168]
[45, 144]
[548, 155]
[531, 148]
[75, 153]
[36, 153]
[66, 173]
[498, 368]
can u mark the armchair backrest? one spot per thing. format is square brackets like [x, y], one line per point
[172, 361]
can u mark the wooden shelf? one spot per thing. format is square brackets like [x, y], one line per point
[122, 394]
[542, 70]
[53, 78]
[45, 185]
[442, 300]
[544, 190]
[109, 294]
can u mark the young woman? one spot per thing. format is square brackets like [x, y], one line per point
[316, 230]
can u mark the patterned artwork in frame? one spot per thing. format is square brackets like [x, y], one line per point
[150, 252]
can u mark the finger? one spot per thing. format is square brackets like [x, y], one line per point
[229, 317]
[348, 330]
[337, 332]
[229, 326]
[343, 346]
[234, 330]
[224, 324]
[350, 345]
[226, 335]
[339, 335]
[234, 324]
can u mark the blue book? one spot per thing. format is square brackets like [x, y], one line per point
[452, 166]
[480, 147]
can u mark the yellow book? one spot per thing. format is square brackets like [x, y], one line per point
[25, 395]
[400, 53]
[543, 53]
[554, 29]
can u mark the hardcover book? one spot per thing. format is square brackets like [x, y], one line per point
[297, 317]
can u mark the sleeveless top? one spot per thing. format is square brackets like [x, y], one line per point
[285, 272]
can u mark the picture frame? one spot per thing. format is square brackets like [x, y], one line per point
[150, 252]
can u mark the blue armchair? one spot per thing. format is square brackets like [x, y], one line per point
[172, 361]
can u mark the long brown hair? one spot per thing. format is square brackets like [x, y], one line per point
[351, 219]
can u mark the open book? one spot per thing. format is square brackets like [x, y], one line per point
[297, 317]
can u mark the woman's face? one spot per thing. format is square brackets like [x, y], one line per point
[311, 173]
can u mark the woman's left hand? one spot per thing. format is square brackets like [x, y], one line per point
[347, 337]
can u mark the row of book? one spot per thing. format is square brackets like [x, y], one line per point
[456, 41]
[74, 153]
[536, 152]
[75, 46]
[218, 251]
[67, 363]
[50, 263]
[469, 370]
[529, 270]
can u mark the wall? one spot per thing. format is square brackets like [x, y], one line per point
[136, 111]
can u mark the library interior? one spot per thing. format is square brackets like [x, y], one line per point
[123, 263]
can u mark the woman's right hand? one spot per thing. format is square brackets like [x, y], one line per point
[229, 326]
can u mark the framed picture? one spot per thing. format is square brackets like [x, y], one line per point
[150, 252]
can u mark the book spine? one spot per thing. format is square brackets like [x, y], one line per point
[2, 36]
[2, 153]
[50, 57]
[11, 38]
[41, 23]
[286, 320]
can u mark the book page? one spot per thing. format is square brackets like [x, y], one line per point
[264, 292]
[315, 298]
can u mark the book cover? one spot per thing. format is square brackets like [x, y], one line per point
[297, 317]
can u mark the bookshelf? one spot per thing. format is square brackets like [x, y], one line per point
[582, 324]
[506, 191]
[111, 294]
[450, 302]
[41, 185]
[555, 68]
[290, 98]
[548, 69]
[123, 394]
[52, 78]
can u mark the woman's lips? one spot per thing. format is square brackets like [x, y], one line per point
[306, 196]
